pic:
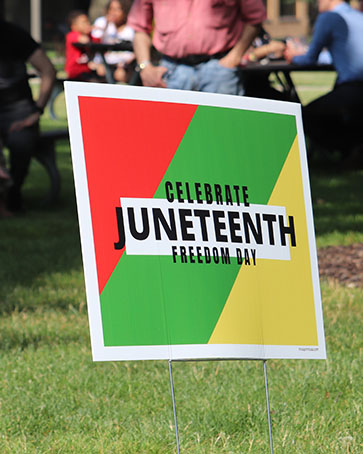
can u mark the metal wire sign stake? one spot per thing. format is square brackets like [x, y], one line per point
[268, 406]
[174, 407]
[175, 412]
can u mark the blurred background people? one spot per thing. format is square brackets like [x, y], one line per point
[112, 28]
[19, 113]
[201, 42]
[334, 121]
[77, 64]
[264, 46]
[263, 50]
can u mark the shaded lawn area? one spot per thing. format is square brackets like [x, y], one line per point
[337, 204]
[41, 247]
[53, 399]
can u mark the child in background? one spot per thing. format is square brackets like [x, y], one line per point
[78, 65]
[112, 28]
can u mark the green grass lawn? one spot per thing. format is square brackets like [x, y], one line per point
[314, 84]
[54, 399]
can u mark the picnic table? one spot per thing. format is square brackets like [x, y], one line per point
[281, 67]
[93, 48]
[276, 67]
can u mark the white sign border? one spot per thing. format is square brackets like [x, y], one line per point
[179, 352]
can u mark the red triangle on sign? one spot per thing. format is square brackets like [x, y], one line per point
[128, 146]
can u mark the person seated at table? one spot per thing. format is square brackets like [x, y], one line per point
[78, 65]
[263, 49]
[333, 120]
[112, 28]
[264, 46]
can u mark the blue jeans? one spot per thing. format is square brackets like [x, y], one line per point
[209, 77]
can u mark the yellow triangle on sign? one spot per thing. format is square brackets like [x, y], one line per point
[272, 303]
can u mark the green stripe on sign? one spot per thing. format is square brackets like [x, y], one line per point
[148, 293]
[261, 142]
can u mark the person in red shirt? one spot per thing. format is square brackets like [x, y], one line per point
[201, 42]
[77, 64]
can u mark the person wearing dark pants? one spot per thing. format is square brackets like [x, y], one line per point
[21, 144]
[332, 121]
[19, 113]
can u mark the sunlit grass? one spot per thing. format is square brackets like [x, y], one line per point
[54, 399]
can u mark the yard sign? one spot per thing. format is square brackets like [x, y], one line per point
[196, 225]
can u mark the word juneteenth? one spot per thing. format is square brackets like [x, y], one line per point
[204, 223]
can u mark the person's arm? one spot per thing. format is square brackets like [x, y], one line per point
[252, 14]
[324, 26]
[274, 47]
[234, 56]
[99, 28]
[47, 73]
[151, 76]
[140, 19]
